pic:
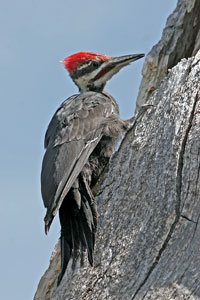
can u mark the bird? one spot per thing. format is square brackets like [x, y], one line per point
[80, 140]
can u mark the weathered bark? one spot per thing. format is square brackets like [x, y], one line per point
[180, 39]
[148, 239]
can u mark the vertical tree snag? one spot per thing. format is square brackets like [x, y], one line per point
[148, 239]
[180, 39]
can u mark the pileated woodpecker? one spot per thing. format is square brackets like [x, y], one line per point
[79, 142]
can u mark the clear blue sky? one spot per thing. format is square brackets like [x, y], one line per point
[35, 35]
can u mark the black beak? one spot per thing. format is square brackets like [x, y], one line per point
[114, 64]
[124, 60]
[127, 58]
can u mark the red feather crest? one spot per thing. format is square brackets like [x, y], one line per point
[72, 62]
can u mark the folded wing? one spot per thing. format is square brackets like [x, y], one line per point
[72, 135]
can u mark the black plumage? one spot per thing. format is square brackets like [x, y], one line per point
[79, 141]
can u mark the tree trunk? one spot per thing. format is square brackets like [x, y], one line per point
[148, 239]
[180, 39]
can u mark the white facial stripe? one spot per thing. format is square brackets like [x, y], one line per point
[85, 65]
[82, 83]
[108, 75]
[84, 80]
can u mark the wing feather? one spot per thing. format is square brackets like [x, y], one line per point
[73, 133]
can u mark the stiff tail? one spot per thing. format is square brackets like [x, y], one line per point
[78, 218]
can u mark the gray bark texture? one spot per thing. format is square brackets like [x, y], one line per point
[148, 239]
[180, 39]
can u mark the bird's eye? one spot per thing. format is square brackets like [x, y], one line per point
[95, 64]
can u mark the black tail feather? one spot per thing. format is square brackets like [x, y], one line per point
[88, 230]
[65, 256]
[78, 225]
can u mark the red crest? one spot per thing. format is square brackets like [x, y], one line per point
[71, 62]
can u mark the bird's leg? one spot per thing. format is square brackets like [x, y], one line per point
[132, 121]
[143, 109]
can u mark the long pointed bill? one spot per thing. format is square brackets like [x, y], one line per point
[122, 61]
[114, 64]
[126, 59]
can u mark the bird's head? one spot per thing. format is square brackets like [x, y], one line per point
[90, 71]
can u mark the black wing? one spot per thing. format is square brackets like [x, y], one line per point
[73, 133]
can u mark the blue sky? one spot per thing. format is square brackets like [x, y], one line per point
[35, 35]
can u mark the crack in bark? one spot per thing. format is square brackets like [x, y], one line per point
[104, 187]
[181, 158]
[188, 219]
[177, 207]
[195, 229]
